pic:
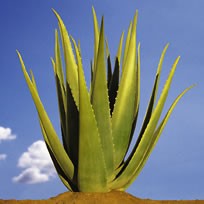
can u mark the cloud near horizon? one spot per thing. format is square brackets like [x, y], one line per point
[37, 165]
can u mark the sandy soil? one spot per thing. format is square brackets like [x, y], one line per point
[114, 197]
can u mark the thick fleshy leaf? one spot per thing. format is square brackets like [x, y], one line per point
[109, 67]
[107, 48]
[133, 162]
[96, 36]
[53, 140]
[65, 180]
[123, 113]
[113, 86]
[91, 167]
[137, 96]
[70, 64]
[109, 71]
[60, 87]
[155, 138]
[72, 122]
[127, 44]
[120, 47]
[58, 61]
[96, 41]
[61, 105]
[153, 97]
[100, 104]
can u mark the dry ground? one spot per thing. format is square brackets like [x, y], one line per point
[114, 197]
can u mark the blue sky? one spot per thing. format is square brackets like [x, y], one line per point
[175, 168]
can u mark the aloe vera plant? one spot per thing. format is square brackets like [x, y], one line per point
[98, 124]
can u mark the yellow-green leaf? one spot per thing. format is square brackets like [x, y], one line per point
[138, 154]
[154, 139]
[70, 64]
[52, 138]
[91, 167]
[124, 109]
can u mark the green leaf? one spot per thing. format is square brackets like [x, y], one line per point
[152, 98]
[72, 133]
[155, 138]
[100, 104]
[96, 36]
[65, 180]
[60, 87]
[124, 109]
[113, 86]
[59, 69]
[127, 44]
[70, 64]
[91, 167]
[61, 105]
[109, 72]
[133, 163]
[120, 47]
[107, 49]
[137, 95]
[109, 69]
[53, 140]
[96, 41]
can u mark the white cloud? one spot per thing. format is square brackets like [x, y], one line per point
[6, 134]
[3, 156]
[37, 165]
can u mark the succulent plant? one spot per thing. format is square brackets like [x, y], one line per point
[98, 124]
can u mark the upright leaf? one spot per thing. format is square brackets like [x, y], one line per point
[137, 95]
[120, 47]
[96, 36]
[127, 44]
[71, 67]
[113, 86]
[109, 68]
[72, 127]
[61, 104]
[123, 113]
[58, 60]
[100, 104]
[91, 167]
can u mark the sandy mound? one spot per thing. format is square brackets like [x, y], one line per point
[114, 197]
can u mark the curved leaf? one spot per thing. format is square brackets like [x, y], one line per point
[136, 158]
[152, 98]
[65, 180]
[55, 145]
[155, 138]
